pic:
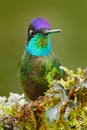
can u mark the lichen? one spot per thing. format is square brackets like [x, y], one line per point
[64, 106]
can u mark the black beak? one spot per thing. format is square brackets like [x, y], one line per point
[52, 31]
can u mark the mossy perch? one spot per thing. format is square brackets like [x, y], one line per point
[64, 107]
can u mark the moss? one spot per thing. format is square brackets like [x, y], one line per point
[64, 106]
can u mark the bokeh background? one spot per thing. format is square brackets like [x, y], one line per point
[70, 46]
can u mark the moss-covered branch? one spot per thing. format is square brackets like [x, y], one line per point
[64, 107]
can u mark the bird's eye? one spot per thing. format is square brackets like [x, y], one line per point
[32, 32]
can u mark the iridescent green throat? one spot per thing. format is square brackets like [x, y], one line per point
[39, 45]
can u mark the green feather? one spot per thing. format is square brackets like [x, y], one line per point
[37, 73]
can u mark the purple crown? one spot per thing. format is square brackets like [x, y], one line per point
[40, 23]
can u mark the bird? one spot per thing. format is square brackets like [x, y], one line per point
[39, 66]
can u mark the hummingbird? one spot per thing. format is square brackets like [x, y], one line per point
[39, 67]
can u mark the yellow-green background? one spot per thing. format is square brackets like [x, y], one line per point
[70, 46]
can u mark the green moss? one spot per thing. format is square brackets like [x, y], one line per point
[50, 76]
[64, 106]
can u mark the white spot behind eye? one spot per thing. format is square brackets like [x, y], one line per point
[32, 32]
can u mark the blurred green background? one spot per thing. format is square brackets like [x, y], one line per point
[70, 46]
